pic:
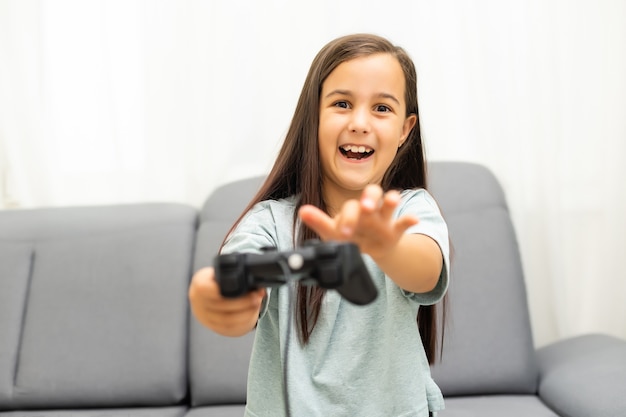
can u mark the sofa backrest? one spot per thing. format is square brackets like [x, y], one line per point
[93, 306]
[218, 366]
[488, 346]
[488, 343]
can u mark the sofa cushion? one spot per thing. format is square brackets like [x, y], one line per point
[15, 270]
[580, 376]
[106, 306]
[496, 406]
[115, 412]
[487, 295]
[218, 365]
[236, 410]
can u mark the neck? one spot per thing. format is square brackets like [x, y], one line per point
[335, 197]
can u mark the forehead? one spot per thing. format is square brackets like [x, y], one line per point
[372, 74]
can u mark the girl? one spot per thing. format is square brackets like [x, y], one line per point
[351, 168]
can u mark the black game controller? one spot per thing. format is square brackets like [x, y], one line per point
[330, 265]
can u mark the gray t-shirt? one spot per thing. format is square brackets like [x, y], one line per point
[360, 360]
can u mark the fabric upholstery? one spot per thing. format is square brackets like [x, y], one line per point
[15, 270]
[218, 410]
[586, 365]
[496, 406]
[219, 381]
[105, 308]
[121, 412]
[488, 346]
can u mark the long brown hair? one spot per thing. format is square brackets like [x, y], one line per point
[297, 170]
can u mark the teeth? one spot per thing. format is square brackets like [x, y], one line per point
[356, 149]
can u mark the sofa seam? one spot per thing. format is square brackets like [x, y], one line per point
[20, 339]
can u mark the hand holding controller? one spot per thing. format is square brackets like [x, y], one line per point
[330, 265]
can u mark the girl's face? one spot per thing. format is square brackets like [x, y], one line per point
[362, 124]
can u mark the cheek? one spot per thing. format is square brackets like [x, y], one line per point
[327, 136]
[392, 136]
[327, 125]
[400, 135]
[323, 146]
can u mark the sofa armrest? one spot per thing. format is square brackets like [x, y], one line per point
[584, 376]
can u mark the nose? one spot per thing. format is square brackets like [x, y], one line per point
[359, 122]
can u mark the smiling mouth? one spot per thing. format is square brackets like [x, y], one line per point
[356, 152]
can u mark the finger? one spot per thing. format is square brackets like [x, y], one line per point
[371, 198]
[232, 306]
[204, 293]
[389, 204]
[404, 222]
[202, 284]
[250, 300]
[348, 219]
[317, 220]
[225, 321]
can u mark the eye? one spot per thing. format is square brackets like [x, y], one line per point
[341, 104]
[382, 108]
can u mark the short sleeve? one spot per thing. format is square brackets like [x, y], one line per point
[253, 232]
[432, 224]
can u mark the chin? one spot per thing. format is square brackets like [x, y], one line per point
[357, 186]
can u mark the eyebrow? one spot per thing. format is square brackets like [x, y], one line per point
[348, 93]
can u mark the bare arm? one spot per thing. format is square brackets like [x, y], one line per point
[414, 264]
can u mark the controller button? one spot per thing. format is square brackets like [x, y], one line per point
[295, 261]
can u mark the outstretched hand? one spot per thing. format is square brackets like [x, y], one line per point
[367, 222]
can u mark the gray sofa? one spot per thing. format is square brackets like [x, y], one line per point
[94, 318]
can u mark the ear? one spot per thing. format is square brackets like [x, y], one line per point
[409, 124]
